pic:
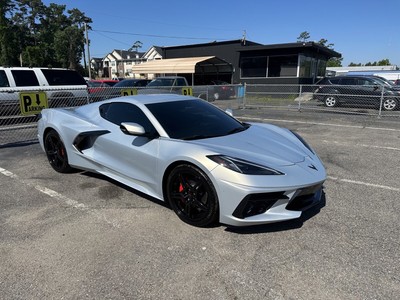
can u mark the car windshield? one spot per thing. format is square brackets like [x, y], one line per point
[383, 81]
[194, 119]
[162, 82]
[126, 83]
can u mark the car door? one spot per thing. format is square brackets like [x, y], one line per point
[127, 157]
[349, 91]
[371, 89]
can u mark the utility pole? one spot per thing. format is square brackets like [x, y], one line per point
[88, 52]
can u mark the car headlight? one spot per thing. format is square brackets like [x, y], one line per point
[242, 166]
[303, 141]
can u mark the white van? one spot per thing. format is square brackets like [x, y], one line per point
[63, 87]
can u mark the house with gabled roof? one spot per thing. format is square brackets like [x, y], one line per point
[118, 63]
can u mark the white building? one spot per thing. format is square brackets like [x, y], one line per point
[118, 64]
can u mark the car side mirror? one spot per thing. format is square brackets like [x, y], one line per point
[132, 128]
[135, 129]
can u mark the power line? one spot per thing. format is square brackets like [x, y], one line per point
[161, 36]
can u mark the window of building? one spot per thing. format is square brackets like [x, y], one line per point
[305, 66]
[269, 66]
[321, 68]
[253, 66]
[282, 66]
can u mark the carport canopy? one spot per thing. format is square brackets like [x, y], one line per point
[184, 65]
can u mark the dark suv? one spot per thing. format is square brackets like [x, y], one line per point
[357, 91]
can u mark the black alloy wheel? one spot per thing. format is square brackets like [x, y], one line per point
[56, 152]
[192, 196]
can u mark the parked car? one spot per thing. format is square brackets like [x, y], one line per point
[63, 87]
[222, 90]
[125, 83]
[184, 151]
[116, 89]
[165, 84]
[357, 91]
[98, 85]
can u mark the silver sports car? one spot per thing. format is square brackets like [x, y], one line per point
[204, 163]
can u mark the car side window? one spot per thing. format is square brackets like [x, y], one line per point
[3, 79]
[365, 82]
[180, 82]
[348, 81]
[119, 112]
[25, 78]
[333, 81]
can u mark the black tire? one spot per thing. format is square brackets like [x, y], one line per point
[56, 152]
[390, 104]
[192, 196]
[330, 101]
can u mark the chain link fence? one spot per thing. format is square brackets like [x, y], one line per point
[19, 109]
[376, 101]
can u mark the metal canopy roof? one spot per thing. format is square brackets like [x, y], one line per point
[185, 65]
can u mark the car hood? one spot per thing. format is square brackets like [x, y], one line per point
[259, 144]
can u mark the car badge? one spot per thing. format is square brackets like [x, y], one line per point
[312, 167]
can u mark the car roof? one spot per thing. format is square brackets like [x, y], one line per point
[91, 110]
[103, 80]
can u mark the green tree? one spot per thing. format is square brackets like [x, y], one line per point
[32, 30]
[303, 37]
[7, 55]
[334, 62]
[324, 42]
[384, 62]
[136, 45]
[68, 46]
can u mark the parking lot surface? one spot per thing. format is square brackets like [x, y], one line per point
[82, 236]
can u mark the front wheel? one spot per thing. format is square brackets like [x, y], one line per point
[56, 152]
[330, 101]
[192, 196]
[390, 104]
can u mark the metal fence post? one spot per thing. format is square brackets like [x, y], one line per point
[380, 106]
[300, 95]
[244, 95]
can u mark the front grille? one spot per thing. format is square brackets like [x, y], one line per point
[305, 198]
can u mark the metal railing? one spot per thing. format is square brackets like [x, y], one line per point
[19, 109]
[376, 101]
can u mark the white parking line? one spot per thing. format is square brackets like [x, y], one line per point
[384, 187]
[317, 123]
[361, 145]
[66, 200]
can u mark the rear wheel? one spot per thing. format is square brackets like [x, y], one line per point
[192, 196]
[390, 104]
[56, 152]
[330, 101]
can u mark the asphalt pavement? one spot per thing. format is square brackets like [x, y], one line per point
[82, 236]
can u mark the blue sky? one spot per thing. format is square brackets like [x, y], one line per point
[362, 31]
